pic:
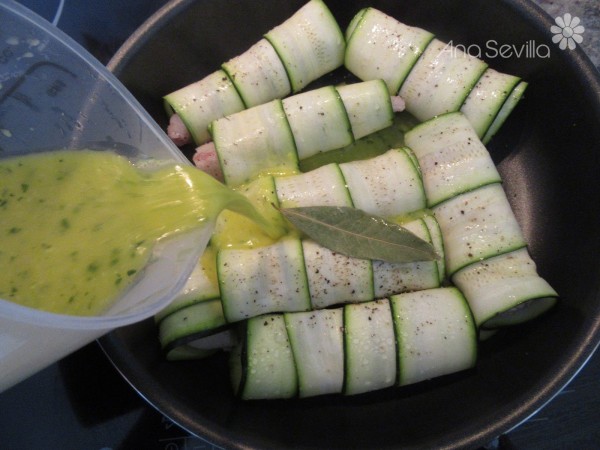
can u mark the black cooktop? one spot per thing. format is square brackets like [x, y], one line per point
[82, 402]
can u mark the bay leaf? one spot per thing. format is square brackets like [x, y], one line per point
[354, 233]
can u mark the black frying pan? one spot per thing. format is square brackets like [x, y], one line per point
[549, 155]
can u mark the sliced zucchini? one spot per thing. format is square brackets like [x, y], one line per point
[436, 334]
[452, 158]
[414, 159]
[262, 365]
[263, 280]
[487, 97]
[298, 51]
[419, 228]
[186, 353]
[192, 347]
[369, 347]
[380, 47]
[221, 340]
[387, 185]
[272, 137]
[437, 241]
[253, 140]
[369, 96]
[428, 229]
[316, 338]
[440, 81]
[309, 44]
[477, 225]
[390, 278]
[201, 285]
[190, 323]
[324, 186]
[258, 74]
[431, 76]
[367, 147]
[505, 289]
[291, 276]
[356, 348]
[354, 23]
[334, 278]
[511, 102]
[318, 121]
[199, 103]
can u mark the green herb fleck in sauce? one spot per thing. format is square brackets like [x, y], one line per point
[105, 209]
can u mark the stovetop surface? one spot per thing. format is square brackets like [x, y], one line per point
[82, 402]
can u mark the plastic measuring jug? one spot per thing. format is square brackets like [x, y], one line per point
[54, 95]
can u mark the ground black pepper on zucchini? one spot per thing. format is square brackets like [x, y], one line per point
[433, 77]
[387, 185]
[484, 247]
[278, 134]
[306, 46]
[311, 322]
[356, 348]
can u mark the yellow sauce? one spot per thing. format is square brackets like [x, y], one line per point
[235, 230]
[77, 226]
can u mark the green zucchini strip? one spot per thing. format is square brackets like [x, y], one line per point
[380, 47]
[433, 77]
[299, 275]
[289, 276]
[505, 289]
[321, 278]
[485, 101]
[451, 157]
[262, 364]
[203, 101]
[484, 247]
[356, 348]
[304, 47]
[436, 334]
[310, 44]
[277, 135]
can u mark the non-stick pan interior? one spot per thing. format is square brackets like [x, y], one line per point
[548, 154]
